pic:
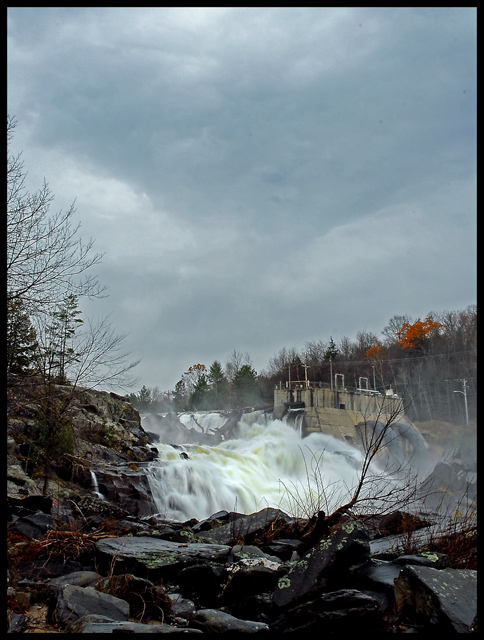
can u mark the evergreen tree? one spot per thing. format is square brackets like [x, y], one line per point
[246, 387]
[60, 351]
[21, 339]
[199, 396]
[180, 396]
[218, 386]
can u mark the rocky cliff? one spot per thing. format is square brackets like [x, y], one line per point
[105, 453]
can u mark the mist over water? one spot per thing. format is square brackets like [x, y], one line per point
[267, 464]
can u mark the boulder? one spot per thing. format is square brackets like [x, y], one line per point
[216, 520]
[202, 583]
[252, 572]
[379, 575]
[146, 600]
[327, 563]
[33, 526]
[447, 598]
[127, 486]
[181, 608]
[71, 603]
[342, 611]
[283, 548]
[247, 528]
[16, 622]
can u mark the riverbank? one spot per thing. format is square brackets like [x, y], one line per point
[73, 557]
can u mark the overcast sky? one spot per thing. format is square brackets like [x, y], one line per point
[257, 177]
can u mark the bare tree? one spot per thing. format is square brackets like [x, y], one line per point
[383, 483]
[45, 258]
[93, 357]
[234, 363]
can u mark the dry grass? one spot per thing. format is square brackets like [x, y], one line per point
[456, 537]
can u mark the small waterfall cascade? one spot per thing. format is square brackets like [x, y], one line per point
[95, 486]
[295, 418]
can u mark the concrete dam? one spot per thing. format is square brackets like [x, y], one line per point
[354, 416]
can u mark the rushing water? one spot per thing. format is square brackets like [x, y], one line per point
[266, 464]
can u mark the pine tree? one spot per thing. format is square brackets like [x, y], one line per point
[60, 350]
[246, 387]
[21, 339]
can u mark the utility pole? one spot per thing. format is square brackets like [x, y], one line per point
[306, 367]
[464, 392]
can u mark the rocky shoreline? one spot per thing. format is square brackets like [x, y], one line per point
[81, 564]
[263, 572]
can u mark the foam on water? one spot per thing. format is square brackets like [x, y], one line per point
[267, 464]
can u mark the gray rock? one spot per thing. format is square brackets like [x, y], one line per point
[154, 555]
[73, 603]
[283, 548]
[426, 559]
[16, 622]
[342, 611]
[251, 572]
[447, 597]
[245, 528]
[202, 582]
[329, 561]
[33, 526]
[181, 607]
[380, 575]
[215, 621]
[102, 624]
[77, 578]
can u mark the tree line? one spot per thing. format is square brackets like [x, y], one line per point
[431, 362]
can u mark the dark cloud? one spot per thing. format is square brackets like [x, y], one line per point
[258, 177]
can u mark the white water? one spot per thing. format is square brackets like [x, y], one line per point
[267, 464]
[95, 486]
[202, 422]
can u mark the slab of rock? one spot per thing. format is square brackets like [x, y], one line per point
[445, 597]
[215, 621]
[330, 560]
[101, 624]
[426, 559]
[154, 555]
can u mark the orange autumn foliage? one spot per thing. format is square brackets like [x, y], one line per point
[412, 336]
[375, 353]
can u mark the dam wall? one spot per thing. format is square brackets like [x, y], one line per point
[347, 415]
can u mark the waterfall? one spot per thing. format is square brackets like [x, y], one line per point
[202, 421]
[295, 417]
[95, 486]
[266, 463]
